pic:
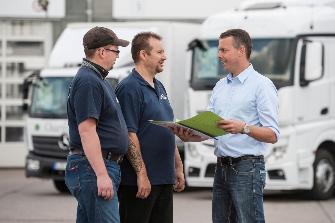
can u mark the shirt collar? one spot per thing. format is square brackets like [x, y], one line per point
[102, 71]
[140, 79]
[242, 76]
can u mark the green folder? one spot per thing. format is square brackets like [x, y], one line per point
[204, 123]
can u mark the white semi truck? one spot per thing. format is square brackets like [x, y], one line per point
[294, 45]
[46, 91]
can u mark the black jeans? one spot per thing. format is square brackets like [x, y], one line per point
[156, 208]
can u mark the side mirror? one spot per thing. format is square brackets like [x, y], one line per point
[312, 61]
[28, 81]
[25, 107]
[25, 93]
[196, 43]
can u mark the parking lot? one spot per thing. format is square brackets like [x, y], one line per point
[33, 200]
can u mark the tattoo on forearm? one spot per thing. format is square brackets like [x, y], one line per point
[134, 156]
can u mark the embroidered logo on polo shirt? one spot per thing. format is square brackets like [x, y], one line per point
[163, 97]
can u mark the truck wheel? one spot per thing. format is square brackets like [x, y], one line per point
[61, 186]
[324, 175]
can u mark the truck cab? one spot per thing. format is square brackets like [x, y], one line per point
[293, 44]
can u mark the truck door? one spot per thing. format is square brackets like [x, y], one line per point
[313, 98]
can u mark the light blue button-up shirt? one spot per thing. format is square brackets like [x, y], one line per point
[249, 97]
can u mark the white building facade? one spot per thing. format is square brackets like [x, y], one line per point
[26, 37]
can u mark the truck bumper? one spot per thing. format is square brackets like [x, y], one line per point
[43, 167]
[200, 164]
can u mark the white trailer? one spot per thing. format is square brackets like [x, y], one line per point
[293, 45]
[47, 130]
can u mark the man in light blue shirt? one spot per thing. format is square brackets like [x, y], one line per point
[248, 104]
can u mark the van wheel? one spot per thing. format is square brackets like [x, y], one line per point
[61, 186]
[324, 175]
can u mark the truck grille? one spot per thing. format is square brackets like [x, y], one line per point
[48, 146]
[210, 170]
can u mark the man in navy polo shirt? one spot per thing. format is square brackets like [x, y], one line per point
[98, 132]
[146, 189]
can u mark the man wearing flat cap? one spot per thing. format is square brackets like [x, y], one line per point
[97, 129]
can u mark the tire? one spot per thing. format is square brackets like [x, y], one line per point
[324, 175]
[61, 186]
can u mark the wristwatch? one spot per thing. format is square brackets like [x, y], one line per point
[246, 129]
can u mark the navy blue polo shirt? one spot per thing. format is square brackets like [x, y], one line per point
[91, 96]
[140, 102]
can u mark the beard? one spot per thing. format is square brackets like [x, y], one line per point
[159, 68]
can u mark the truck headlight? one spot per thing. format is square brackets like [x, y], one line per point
[193, 151]
[278, 152]
[33, 164]
[280, 148]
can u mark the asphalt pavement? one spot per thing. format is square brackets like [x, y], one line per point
[32, 200]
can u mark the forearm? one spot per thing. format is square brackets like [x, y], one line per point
[178, 161]
[92, 150]
[263, 134]
[180, 178]
[134, 154]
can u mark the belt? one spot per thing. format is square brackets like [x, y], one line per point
[118, 158]
[227, 160]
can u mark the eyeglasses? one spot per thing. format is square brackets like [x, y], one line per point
[115, 51]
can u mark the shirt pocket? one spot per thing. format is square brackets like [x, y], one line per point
[245, 107]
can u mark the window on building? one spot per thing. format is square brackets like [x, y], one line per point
[13, 91]
[16, 69]
[14, 134]
[25, 48]
[14, 112]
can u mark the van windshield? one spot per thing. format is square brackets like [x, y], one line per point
[49, 97]
[270, 57]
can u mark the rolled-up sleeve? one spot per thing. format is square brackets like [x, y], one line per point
[210, 106]
[268, 106]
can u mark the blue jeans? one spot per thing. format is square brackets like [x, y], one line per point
[238, 192]
[82, 183]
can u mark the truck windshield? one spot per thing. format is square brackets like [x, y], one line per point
[49, 97]
[271, 57]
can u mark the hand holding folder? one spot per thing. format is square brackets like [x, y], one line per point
[203, 125]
